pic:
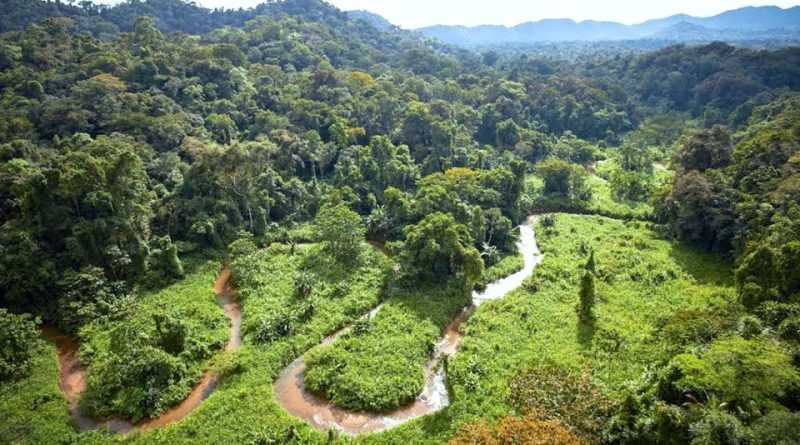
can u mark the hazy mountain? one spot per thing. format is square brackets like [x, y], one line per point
[751, 23]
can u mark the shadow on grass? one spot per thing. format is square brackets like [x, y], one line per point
[432, 303]
[585, 332]
[704, 267]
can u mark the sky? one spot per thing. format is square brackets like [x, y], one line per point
[412, 14]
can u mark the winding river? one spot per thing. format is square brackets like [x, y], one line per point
[72, 375]
[322, 414]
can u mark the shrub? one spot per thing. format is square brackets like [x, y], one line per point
[530, 430]
[556, 393]
[87, 297]
[736, 370]
[18, 339]
[749, 327]
[687, 326]
[789, 329]
[272, 326]
[773, 313]
[777, 428]
[717, 427]
[303, 284]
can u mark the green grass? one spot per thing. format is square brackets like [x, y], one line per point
[34, 408]
[602, 201]
[510, 263]
[379, 365]
[242, 409]
[340, 291]
[114, 382]
[641, 281]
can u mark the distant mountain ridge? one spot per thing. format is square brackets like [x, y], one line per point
[750, 23]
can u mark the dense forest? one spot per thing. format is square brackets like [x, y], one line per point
[334, 166]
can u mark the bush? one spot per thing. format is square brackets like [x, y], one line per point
[777, 428]
[749, 327]
[530, 430]
[717, 427]
[303, 284]
[738, 371]
[549, 220]
[273, 326]
[774, 313]
[556, 393]
[789, 329]
[695, 326]
[88, 296]
[18, 339]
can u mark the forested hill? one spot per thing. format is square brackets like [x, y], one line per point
[104, 21]
[295, 90]
[169, 15]
[752, 24]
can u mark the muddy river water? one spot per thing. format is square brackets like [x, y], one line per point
[319, 412]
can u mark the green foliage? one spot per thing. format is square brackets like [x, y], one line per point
[556, 392]
[738, 371]
[438, 247]
[383, 366]
[789, 329]
[777, 427]
[147, 358]
[341, 229]
[19, 342]
[34, 408]
[126, 145]
[508, 264]
[88, 297]
[706, 149]
[718, 427]
[564, 180]
[303, 284]
[273, 326]
[586, 299]
[267, 289]
[641, 280]
[749, 327]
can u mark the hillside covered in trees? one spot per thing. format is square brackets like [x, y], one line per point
[355, 194]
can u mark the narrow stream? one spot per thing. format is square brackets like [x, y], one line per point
[319, 412]
[72, 378]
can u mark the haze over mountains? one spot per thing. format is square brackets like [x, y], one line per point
[745, 24]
